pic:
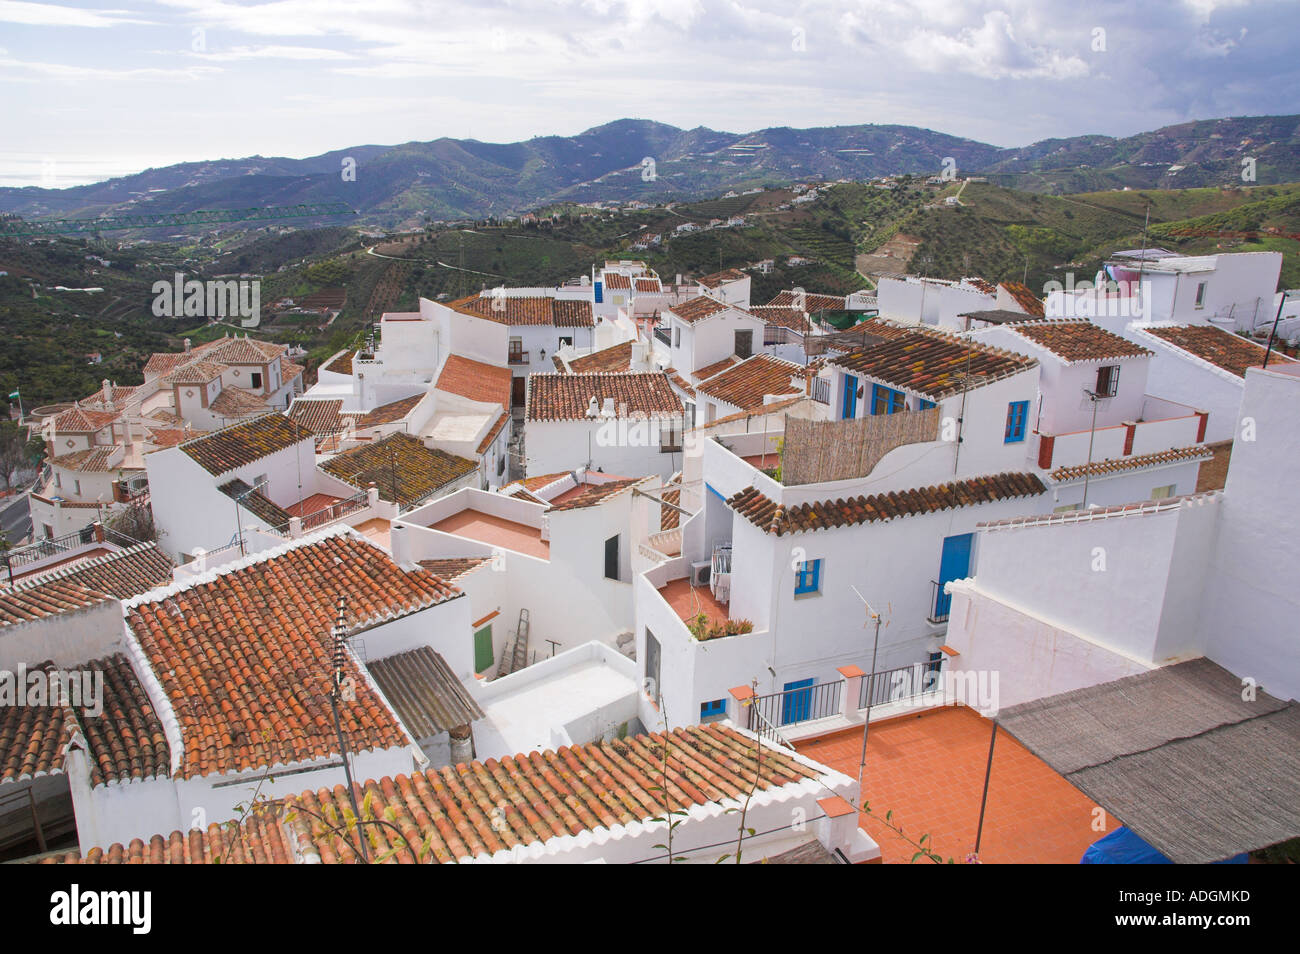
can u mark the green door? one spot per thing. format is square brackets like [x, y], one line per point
[483, 649]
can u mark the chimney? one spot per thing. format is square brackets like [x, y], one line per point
[187, 344]
[593, 409]
[108, 394]
[608, 409]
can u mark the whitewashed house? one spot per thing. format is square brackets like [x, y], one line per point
[627, 424]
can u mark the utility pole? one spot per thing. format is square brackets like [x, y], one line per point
[1092, 434]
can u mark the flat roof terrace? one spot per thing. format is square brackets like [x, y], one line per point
[495, 531]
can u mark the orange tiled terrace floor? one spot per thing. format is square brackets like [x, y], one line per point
[687, 600]
[929, 770]
[496, 531]
[763, 461]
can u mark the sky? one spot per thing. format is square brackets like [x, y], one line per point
[89, 91]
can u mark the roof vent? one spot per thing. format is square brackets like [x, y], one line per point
[593, 409]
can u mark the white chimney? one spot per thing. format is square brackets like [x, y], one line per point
[593, 409]
[187, 344]
[608, 409]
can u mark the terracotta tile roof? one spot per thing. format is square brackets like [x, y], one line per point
[1025, 298]
[979, 284]
[715, 279]
[773, 407]
[244, 655]
[165, 362]
[256, 503]
[236, 402]
[617, 358]
[1117, 465]
[680, 381]
[476, 810]
[651, 285]
[812, 301]
[1223, 349]
[717, 367]
[745, 384]
[389, 413]
[162, 437]
[123, 575]
[539, 310]
[124, 742]
[401, 467]
[258, 839]
[493, 433]
[80, 420]
[784, 317]
[1078, 340]
[451, 568]
[566, 397]
[617, 281]
[25, 604]
[475, 380]
[163, 416]
[522, 494]
[222, 451]
[340, 363]
[244, 351]
[289, 370]
[195, 372]
[771, 517]
[933, 364]
[322, 418]
[595, 494]
[96, 460]
[540, 481]
[425, 693]
[670, 519]
[697, 309]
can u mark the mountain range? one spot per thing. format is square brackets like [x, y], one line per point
[448, 179]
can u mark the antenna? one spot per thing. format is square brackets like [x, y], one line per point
[871, 690]
[339, 659]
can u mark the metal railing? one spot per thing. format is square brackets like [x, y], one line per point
[940, 603]
[517, 357]
[805, 704]
[664, 335]
[336, 511]
[760, 726]
[902, 682]
[52, 546]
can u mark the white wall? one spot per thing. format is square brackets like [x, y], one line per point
[1249, 612]
[622, 447]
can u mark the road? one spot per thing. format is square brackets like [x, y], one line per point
[16, 519]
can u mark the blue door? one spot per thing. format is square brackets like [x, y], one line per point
[849, 407]
[954, 564]
[796, 704]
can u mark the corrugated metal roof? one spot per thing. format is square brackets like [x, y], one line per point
[425, 692]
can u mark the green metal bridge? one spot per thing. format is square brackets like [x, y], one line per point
[151, 220]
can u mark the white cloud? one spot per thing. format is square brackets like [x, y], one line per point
[48, 14]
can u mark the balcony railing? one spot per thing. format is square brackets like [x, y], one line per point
[940, 603]
[517, 357]
[805, 704]
[336, 511]
[903, 682]
[663, 335]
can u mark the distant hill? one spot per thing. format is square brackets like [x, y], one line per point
[448, 179]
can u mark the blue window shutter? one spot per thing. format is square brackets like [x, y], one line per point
[1017, 412]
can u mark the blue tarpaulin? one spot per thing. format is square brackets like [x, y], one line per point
[1124, 847]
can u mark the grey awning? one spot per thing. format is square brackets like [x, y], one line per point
[1177, 755]
[428, 697]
